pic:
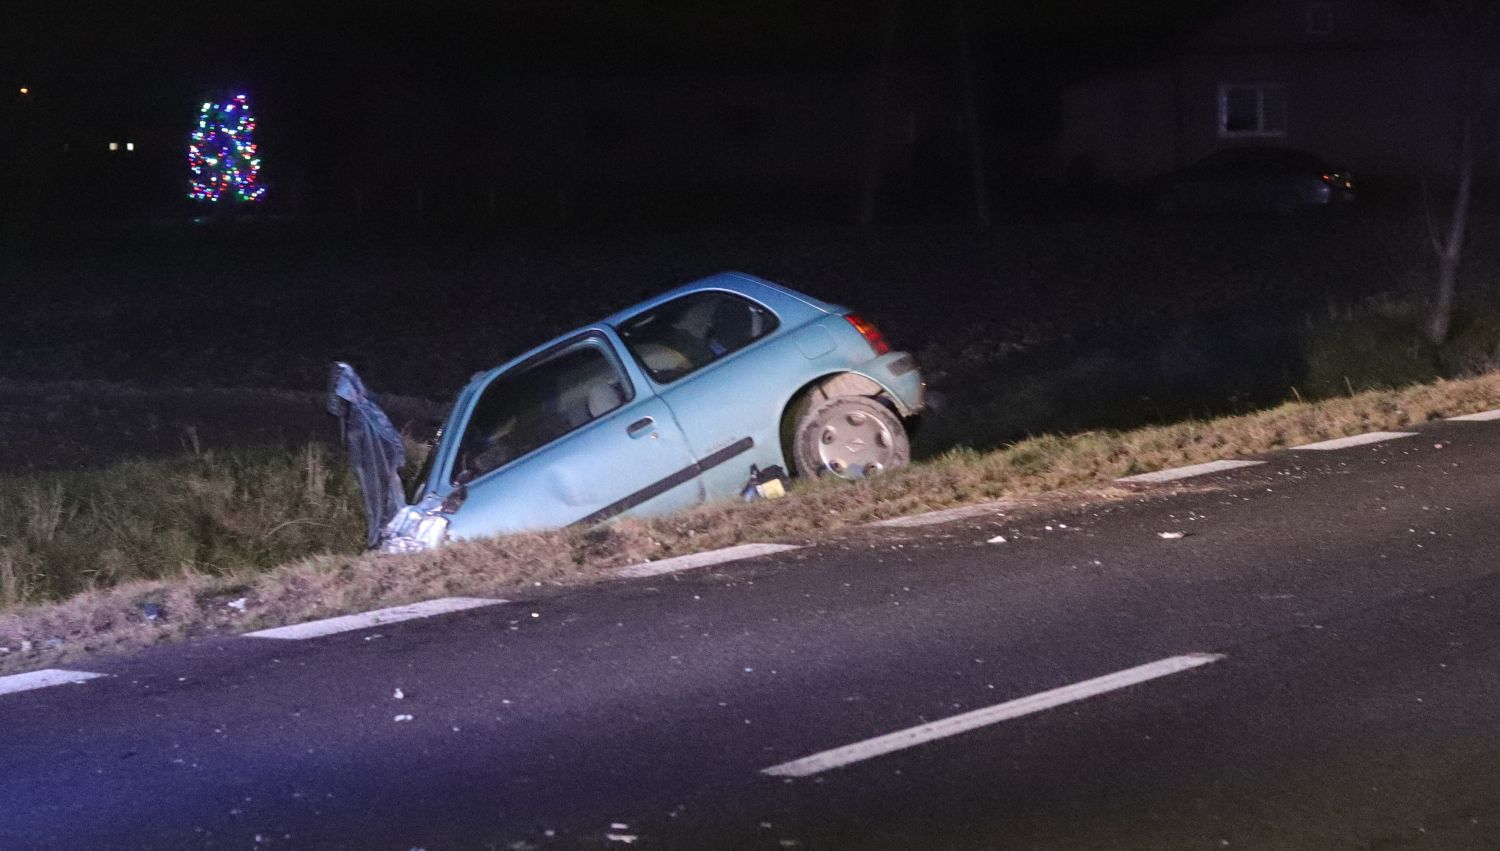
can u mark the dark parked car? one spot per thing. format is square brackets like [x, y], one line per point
[1254, 179]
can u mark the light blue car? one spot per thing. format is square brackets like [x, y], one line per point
[678, 400]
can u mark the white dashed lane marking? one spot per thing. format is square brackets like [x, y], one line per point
[1357, 440]
[1481, 417]
[963, 512]
[704, 559]
[379, 617]
[42, 679]
[1189, 471]
[953, 725]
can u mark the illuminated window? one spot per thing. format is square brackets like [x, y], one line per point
[1319, 19]
[1254, 110]
[129, 146]
[114, 146]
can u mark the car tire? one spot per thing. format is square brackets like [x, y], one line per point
[850, 437]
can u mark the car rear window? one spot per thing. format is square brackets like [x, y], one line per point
[688, 333]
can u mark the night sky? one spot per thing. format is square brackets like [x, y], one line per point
[135, 56]
[328, 80]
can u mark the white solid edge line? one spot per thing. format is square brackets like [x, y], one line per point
[703, 559]
[1189, 471]
[1481, 417]
[42, 679]
[1357, 440]
[945, 515]
[951, 726]
[378, 617]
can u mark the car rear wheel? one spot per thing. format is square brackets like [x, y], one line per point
[850, 437]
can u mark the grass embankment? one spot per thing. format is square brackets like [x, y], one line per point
[273, 506]
[65, 533]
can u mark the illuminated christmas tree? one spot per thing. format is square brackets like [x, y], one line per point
[222, 154]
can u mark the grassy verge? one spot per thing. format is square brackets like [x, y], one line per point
[107, 612]
[62, 534]
[1380, 344]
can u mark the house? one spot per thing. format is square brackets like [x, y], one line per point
[1362, 83]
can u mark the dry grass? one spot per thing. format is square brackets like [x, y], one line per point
[209, 512]
[194, 602]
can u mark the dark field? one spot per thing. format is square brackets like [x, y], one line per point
[1038, 326]
[161, 399]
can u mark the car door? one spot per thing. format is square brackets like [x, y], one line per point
[714, 358]
[572, 435]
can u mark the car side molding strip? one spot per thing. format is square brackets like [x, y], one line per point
[661, 486]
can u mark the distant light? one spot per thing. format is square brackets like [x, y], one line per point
[25, 90]
[114, 146]
[129, 146]
[222, 154]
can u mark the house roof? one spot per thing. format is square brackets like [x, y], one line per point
[1280, 24]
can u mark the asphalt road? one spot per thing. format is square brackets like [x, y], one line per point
[1352, 596]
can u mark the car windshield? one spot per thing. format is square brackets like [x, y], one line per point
[533, 404]
[417, 487]
[688, 333]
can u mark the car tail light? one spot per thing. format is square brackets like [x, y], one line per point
[872, 335]
[1339, 178]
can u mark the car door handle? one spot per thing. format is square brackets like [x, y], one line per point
[639, 427]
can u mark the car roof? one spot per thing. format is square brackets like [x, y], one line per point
[735, 282]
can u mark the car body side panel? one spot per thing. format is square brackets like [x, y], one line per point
[895, 372]
[745, 393]
[731, 403]
[584, 473]
[734, 400]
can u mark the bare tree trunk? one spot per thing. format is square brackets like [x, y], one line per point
[979, 194]
[870, 187]
[1450, 247]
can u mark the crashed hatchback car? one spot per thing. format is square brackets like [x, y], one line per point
[686, 397]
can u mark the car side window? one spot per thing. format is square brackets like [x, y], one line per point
[533, 404]
[691, 332]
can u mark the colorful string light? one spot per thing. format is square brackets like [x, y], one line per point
[222, 154]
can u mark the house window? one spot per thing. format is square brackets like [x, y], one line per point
[1252, 110]
[1319, 19]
